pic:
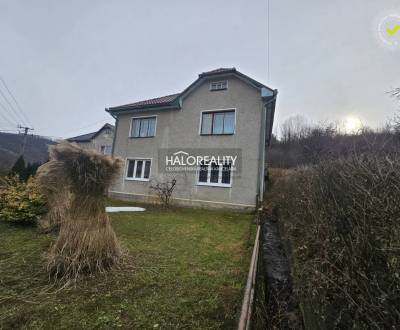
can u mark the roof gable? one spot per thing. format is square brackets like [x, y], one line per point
[82, 138]
[174, 101]
[222, 73]
[90, 136]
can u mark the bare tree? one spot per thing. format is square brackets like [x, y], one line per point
[395, 122]
[396, 93]
[294, 128]
[164, 190]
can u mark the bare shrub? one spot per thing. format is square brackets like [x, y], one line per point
[342, 219]
[317, 143]
[164, 189]
[86, 242]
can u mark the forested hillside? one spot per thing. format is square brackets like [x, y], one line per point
[36, 149]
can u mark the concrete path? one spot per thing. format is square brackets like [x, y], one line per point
[111, 209]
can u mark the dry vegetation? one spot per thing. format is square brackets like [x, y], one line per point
[86, 242]
[339, 207]
[57, 197]
[342, 220]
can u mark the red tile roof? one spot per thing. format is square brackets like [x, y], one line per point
[220, 70]
[156, 101]
[172, 101]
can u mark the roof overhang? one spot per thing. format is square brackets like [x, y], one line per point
[176, 103]
[78, 141]
[90, 136]
[114, 112]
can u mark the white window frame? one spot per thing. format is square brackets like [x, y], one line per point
[134, 169]
[218, 88]
[218, 110]
[142, 117]
[213, 184]
[105, 147]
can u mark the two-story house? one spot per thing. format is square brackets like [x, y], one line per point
[218, 128]
[101, 140]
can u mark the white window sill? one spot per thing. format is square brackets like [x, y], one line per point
[141, 137]
[215, 134]
[136, 179]
[221, 185]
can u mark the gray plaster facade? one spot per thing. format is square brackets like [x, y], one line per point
[178, 126]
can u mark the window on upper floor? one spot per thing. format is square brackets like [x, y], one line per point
[218, 85]
[138, 169]
[107, 131]
[143, 127]
[218, 122]
[215, 175]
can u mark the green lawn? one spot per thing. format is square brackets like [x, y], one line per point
[186, 270]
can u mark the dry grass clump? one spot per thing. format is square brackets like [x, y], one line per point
[343, 221]
[86, 242]
[57, 195]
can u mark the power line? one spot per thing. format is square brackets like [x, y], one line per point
[5, 126]
[25, 132]
[86, 126]
[16, 115]
[15, 101]
[5, 117]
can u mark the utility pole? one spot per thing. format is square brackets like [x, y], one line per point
[25, 131]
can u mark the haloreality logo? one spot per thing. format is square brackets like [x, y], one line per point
[189, 160]
[183, 158]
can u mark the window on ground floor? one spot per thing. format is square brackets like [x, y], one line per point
[215, 175]
[138, 169]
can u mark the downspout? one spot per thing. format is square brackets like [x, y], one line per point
[261, 165]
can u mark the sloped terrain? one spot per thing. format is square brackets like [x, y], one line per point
[36, 149]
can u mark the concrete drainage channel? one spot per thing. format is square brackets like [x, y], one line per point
[269, 301]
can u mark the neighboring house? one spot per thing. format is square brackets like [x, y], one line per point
[100, 140]
[222, 112]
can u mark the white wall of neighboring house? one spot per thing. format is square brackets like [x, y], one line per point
[101, 142]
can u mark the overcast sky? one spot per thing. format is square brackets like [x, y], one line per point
[65, 61]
